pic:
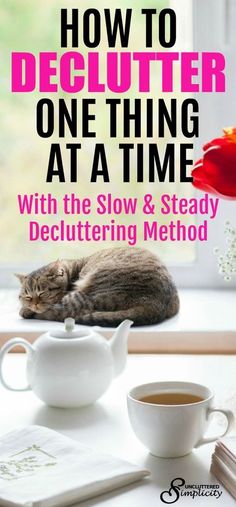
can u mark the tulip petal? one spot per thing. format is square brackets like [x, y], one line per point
[211, 190]
[216, 172]
[219, 141]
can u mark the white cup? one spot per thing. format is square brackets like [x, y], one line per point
[171, 431]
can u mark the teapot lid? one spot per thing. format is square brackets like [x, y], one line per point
[69, 332]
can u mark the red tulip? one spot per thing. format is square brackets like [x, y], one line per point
[215, 173]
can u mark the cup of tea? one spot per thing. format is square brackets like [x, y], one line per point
[171, 418]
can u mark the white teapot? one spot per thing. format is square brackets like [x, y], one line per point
[71, 368]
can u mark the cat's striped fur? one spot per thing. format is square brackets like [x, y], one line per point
[102, 289]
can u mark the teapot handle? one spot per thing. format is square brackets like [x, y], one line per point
[4, 350]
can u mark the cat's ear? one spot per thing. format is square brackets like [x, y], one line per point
[20, 277]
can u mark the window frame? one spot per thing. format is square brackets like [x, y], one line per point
[216, 113]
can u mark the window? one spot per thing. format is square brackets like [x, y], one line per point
[213, 29]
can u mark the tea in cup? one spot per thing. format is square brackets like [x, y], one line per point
[171, 418]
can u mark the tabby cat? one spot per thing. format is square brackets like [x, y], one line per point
[102, 289]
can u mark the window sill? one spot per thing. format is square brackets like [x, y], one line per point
[206, 323]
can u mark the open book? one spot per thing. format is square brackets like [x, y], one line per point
[41, 468]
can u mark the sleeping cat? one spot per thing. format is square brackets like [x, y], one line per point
[102, 289]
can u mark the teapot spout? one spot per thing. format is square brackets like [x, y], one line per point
[119, 345]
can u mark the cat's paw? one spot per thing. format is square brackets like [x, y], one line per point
[58, 307]
[56, 312]
[63, 310]
[66, 299]
[26, 313]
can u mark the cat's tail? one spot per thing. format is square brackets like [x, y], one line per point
[141, 315]
[112, 319]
